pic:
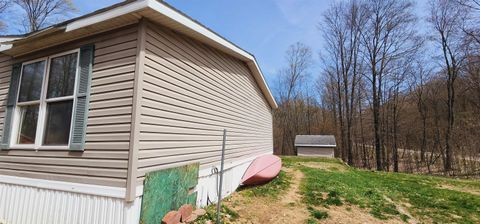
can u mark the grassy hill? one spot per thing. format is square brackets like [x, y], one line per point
[314, 190]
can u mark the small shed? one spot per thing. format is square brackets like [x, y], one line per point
[315, 145]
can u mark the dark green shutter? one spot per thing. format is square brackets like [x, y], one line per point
[10, 106]
[77, 139]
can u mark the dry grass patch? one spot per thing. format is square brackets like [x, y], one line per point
[464, 189]
[351, 214]
[326, 166]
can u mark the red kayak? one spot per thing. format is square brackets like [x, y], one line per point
[262, 170]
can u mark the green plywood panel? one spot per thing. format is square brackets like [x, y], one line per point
[167, 190]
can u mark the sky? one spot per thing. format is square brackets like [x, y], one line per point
[265, 28]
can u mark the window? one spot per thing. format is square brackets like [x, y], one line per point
[46, 95]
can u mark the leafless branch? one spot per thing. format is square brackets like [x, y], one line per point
[40, 13]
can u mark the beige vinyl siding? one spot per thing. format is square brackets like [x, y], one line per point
[5, 74]
[191, 92]
[105, 159]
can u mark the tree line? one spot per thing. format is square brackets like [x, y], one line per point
[397, 99]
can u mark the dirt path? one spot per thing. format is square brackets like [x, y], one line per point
[294, 211]
[287, 209]
[293, 194]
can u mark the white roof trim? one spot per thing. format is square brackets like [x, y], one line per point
[6, 39]
[313, 145]
[176, 16]
[180, 18]
[109, 14]
[4, 47]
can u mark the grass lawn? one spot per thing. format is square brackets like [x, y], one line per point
[315, 190]
[388, 195]
[272, 189]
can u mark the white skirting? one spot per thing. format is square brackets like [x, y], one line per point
[34, 201]
[207, 188]
[20, 204]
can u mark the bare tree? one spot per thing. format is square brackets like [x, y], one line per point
[41, 13]
[419, 80]
[447, 19]
[4, 4]
[341, 29]
[471, 16]
[292, 77]
[389, 35]
[362, 95]
[472, 4]
[291, 88]
[327, 86]
[397, 89]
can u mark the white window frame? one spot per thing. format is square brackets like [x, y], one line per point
[42, 102]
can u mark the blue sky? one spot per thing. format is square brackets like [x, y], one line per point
[264, 28]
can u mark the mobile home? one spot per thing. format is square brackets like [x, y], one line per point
[92, 105]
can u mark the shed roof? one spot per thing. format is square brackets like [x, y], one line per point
[315, 140]
[125, 13]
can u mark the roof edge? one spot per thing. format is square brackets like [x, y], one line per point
[184, 20]
[106, 15]
[5, 41]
